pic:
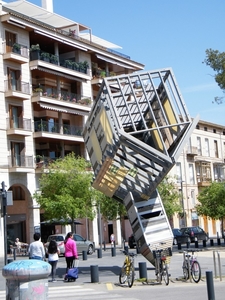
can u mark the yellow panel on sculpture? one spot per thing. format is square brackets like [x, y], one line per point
[96, 146]
[106, 126]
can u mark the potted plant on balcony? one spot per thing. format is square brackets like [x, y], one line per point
[75, 66]
[16, 48]
[54, 59]
[68, 64]
[35, 52]
[45, 56]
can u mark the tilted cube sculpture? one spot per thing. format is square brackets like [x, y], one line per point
[134, 134]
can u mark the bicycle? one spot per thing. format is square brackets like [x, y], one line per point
[161, 268]
[191, 265]
[127, 271]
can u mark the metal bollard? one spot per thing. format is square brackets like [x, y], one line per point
[84, 255]
[204, 243]
[211, 242]
[14, 253]
[104, 246]
[188, 245]
[218, 242]
[143, 270]
[9, 260]
[94, 274]
[196, 244]
[126, 248]
[113, 251]
[215, 265]
[179, 246]
[210, 285]
[99, 253]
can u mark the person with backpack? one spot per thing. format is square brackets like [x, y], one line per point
[53, 257]
[70, 251]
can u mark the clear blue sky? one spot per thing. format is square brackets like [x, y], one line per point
[161, 34]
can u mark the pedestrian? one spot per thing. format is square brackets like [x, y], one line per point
[36, 249]
[70, 251]
[53, 257]
[112, 240]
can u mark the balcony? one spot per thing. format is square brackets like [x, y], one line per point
[57, 131]
[192, 151]
[17, 89]
[20, 163]
[62, 98]
[43, 161]
[40, 59]
[16, 53]
[19, 126]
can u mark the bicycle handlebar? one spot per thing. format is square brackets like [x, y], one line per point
[128, 253]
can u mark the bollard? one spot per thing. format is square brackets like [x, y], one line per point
[218, 242]
[93, 246]
[196, 244]
[137, 250]
[14, 253]
[94, 274]
[126, 248]
[204, 243]
[84, 254]
[188, 245]
[211, 242]
[104, 246]
[143, 270]
[26, 278]
[99, 253]
[9, 260]
[113, 251]
[179, 246]
[124, 244]
[210, 286]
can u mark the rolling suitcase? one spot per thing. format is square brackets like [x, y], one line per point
[72, 273]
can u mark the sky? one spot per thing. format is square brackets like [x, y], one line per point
[162, 34]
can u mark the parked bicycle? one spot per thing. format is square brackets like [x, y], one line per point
[191, 265]
[127, 271]
[161, 268]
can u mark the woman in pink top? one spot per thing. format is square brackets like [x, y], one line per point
[70, 251]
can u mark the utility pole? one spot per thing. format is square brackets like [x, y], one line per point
[4, 204]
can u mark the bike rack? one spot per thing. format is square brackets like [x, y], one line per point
[219, 264]
[188, 262]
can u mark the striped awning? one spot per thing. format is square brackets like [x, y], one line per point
[64, 109]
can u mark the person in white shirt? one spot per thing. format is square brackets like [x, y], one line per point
[53, 257]
[36, 249]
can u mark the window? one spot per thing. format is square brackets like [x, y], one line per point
[18, 154]
[191, 173]
[10, 39]
[197, 126]
[205, 129]
[214, 130]
[199, 147]
[216, 149]
[14, 80]
[207, 147]
[178, 171]
[15, 116]
[18, 193]
[193, 198]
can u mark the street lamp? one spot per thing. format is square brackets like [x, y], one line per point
[182, 201]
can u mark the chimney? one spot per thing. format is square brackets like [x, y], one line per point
[47, 4]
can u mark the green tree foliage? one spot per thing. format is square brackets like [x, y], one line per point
[66, 190]
[216, 60]
[212, 201]
[170, 196]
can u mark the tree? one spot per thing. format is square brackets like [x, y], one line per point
[170, 196]
[216, 60]
[66, 190]
[212, 202]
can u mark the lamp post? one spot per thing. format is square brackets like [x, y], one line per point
[4, 203]
[100, 226]
[182, 200]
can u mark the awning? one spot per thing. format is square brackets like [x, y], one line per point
[51, 71]
[60, 222]
[114, 62]
[64, 109]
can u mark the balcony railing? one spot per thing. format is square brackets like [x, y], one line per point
[54, 59]
[63, 96]
[17, 86]
[20, 161]
[17, 49]
[19, 123]
[45, 126]
[43, 161]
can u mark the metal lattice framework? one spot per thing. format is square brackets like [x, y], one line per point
[134, 134]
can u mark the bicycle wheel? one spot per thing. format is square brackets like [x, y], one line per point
[196, 271]
[123, 276]
[185, 270]
[165, 274]
[130, 277]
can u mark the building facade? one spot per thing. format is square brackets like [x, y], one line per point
[201, 162]
[51, 69]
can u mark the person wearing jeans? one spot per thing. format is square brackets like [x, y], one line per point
[53, 257]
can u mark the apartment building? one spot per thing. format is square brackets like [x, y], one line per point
[51, 69]
[201, 162]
